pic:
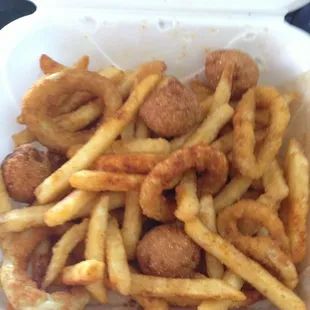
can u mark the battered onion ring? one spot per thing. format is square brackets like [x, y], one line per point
[244, 157]
[202, 157]
[270, 251]
[20, 290]
[44, 94]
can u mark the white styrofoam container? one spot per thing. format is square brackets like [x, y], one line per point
[127, 33]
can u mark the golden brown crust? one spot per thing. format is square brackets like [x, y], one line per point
[245, 75]
[171, 110]
[167, 251]
[24, 170]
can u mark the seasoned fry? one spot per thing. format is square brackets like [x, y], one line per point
[83, 273]
[297, 207]
[186, 197]
[99, 142]
[5, 200]
[211, 126]
[68, 207]
[62, 249]
[95, 244]
[207, 215]
[19, 220]
[80, 118]
[88, 180]
[23, 137]
[195, 288]
[233, 191]
[262, 117]
[132, 224]
[244, 267]
[118, 269]
[40, 260]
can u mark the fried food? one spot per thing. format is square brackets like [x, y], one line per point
[166, 251]
[35, 109]
[5, 200]
[194, 288]
[24, 170]
[247, 269]
[202, 157]
[20, 290]
[271, 251]
[297, 205]
[56, 159]
[171, 110]
[23, 137]
[128, 163]
[149, 303]
[245, 73]
[100, 141]
[244, 157]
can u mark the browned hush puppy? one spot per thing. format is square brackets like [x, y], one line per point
[245, 75]
[167, 251]
[23, 170]
[171, 110]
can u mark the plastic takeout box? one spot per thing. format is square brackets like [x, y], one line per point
[179, 32]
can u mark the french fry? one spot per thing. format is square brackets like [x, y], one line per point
[207, 215]
[102, 139]
[233, 191]
[80, 118]
[296, 168]
[83, 273]
[194, 288]
[132, 224]
[62, 249]
[5, 200]
[68, 207]
[178, 142]
[95, 244]
[142, 132]
[9, 307]
[112, 73]
[151, 146]
[23, 137]
[211, 126]
[88, 180]
[231, 279]
[201, 91]
[118, 269]
[224, 143]
[128, 132]
[186, 197]
[149, 303]
[40, 260]
[18, 220]
[262, 117]
[244, 267]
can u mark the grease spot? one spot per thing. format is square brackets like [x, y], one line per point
[250, 36]
[165, 25]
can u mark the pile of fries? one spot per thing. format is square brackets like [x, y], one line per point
[76, 244]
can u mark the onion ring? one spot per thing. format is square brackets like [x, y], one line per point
[202, 157]
[21, 291]
[36, 105]
[270, 251]
[244, 157]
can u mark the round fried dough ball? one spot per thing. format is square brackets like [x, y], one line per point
[24, 170]
[171, 110]
[167, 251]
[245, 75]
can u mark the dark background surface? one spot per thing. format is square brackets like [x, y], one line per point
[13, 9]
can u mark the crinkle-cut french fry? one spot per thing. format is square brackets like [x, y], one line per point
[207, 215]
[62, 249]
[186, 196]
[233, 191]
[132, 224]
[68, 207]
[102, 139]
[118, 268]
[244, 267]
[95, 244]
[83, 273]
[196, 288]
